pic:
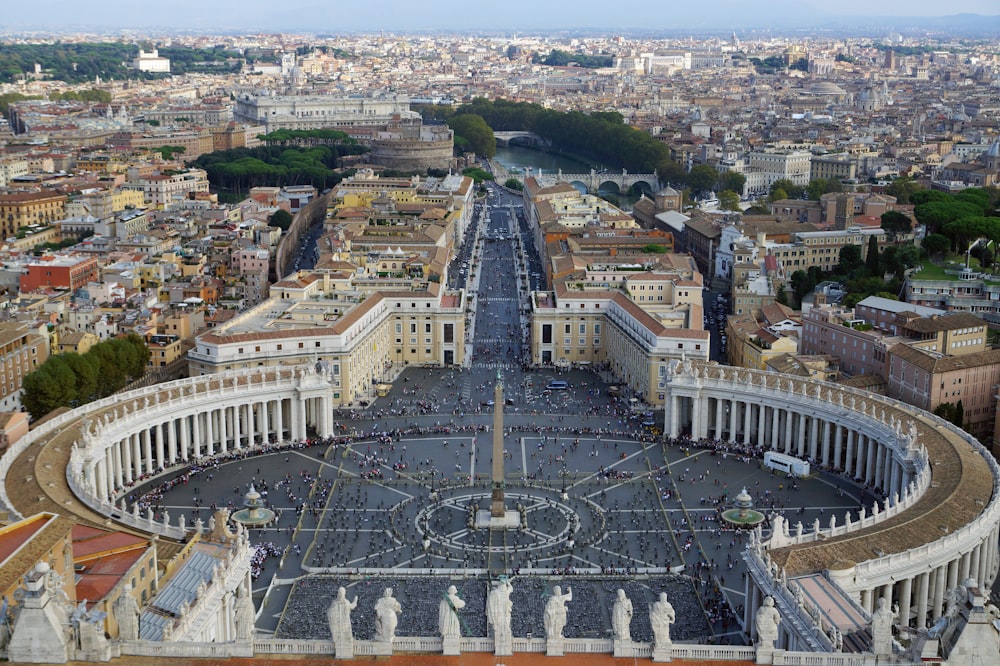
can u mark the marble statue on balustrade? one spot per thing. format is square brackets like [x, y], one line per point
[621, 616]
[126, 611]
[387, 610]
[766, 623]
[555, 612]
[448, 621]
[244, 615]
[661, 616]
[339, 618]
[882, 620]
[498, 613]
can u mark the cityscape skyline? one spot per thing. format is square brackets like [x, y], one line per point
[312, 16]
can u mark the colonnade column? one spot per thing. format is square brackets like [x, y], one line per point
[147, 449]
[734, 408]
[161, 437]
[802, 435]
[849, 458]
[127, 464]
[922, 600]
[939, 581]
[196, 433]
[171, 441]
[747, 421]
[299, 420]
[786, 445]
[838, 438]
[813, 437]
[775, 428]
[265, 423]
[905, 600]
[719, 432]
[826, 442]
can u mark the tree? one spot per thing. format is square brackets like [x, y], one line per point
[903, 189]
[474, 130]
[935, 244]
[871, 258]
[959, 417]
[793, 191]
[280, 218]
[781, 296]
[850, 259]
[777, 195]
[729, 200]
[50, 387]
[702, 179]
[802, 284]
[816, 188]
[895, 223]
[513, 184]
[732, 181]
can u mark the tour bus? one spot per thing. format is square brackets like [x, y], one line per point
[787, 464]
[557, 385]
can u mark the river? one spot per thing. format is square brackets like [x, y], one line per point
[520, 158]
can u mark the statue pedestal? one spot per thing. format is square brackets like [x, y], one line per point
[382, 648]
[503, 647]
[485, 520]
[765, 655]
[662, 653]
[451, 646]
[554, 647]
[344, 649]
[623, 648]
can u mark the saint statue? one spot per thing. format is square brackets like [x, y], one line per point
[661, 616]
[387, 611]
[448, 623]
[339, 617]
[126, 611]
[621, 616]
[555, 612]
[766, 622]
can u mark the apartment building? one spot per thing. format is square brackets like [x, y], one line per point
[22, 209]
[22, 350]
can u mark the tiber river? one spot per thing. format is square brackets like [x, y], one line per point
[521, 158]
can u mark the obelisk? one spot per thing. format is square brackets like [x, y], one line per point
[497, 508]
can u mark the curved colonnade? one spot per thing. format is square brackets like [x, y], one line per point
[937, 527]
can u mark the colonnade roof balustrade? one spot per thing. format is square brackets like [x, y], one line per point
[963, 475]
[35, 468]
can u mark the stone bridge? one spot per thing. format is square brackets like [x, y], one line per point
[601, 180]
[520, 137]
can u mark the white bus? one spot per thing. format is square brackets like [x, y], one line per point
[787, 464]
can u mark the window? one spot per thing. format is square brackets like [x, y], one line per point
[399, 327]
[449, 332]
[547, 333]
[597, 329]
[567, 329]
[583, 329]
[413, 327]
[427, 328]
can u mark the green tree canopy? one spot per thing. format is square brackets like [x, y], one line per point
[729, 200]
[69, 380]
[896, 223]
[472, 128]
[702, 179]
[280, 218]
[791, 190]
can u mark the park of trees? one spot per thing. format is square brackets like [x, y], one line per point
[84, 61]
[71, 380]
[559, 58]
[954, 222]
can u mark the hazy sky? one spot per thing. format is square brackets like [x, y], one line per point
[371, 15]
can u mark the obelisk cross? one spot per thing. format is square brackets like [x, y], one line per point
[497, 508]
